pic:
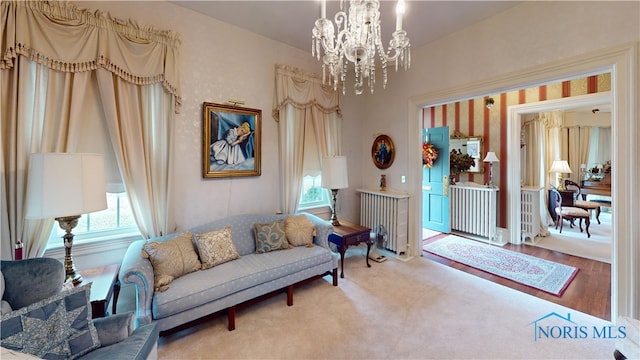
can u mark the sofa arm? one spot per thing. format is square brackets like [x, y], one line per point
[115, 328]
[138, 271]
[141, 344]
[323, 230]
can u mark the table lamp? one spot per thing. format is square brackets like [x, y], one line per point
[334, 177]
[560, 167]
[64, 186]
[491, 158]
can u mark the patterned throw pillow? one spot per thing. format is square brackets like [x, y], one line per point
[270, 236]
[59, 327]
[171, 259]
[216, 247]
[300, 230]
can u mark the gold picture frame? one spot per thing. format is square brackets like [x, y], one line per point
[231, 141]
[383, 152]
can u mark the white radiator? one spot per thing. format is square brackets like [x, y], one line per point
[389, 209]
[530, 213]
[474, 210]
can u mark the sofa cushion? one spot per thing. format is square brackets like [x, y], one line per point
[216, 247]
[171, 259]
[300, 230]
[206, 286]
[57, 327]
[270, 236]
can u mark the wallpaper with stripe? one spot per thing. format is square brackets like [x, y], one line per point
[473, 118]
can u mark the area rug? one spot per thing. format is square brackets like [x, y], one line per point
[544, 275]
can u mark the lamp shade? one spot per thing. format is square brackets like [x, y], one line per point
[491, 157]
[65, 184]
[334, 172]
[560, 166]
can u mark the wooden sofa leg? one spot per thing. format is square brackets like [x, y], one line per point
[231, 318]
[290, 295]
[334, 274]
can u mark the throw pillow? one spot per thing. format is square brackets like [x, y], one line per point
[171, 259]
[270, 236]
[57, 327]
[216, 247]
[300, 230]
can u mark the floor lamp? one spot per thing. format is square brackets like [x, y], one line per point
[491, 158]
[334, 177]
[64, 186]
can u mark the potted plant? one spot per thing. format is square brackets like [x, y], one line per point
[459, 163]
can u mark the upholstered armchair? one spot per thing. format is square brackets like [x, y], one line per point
[35, 300]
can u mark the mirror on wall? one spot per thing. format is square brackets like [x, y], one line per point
[472, 145]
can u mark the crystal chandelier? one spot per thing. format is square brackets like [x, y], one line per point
[357, 41]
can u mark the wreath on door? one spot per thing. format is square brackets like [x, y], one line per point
[429, 154]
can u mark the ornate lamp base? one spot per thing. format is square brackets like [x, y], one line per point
[334, 219]
[67, 223]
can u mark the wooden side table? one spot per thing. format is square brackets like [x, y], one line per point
[105, 285]
[348, 234]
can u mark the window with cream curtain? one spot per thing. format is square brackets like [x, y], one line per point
[309, 124]
[88, 66]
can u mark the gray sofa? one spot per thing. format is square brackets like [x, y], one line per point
[28, 283]
[227, 285]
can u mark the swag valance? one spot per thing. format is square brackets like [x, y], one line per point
[303, 90]
[39, 30]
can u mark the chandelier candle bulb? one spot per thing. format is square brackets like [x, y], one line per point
[323, 9]
[400, 7]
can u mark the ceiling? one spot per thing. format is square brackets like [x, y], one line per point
[291, 22]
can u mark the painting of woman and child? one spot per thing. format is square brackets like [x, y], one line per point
[231, 141]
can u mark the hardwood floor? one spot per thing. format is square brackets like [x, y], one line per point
[589, 292]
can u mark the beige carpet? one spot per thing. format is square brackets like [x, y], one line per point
[414, 309]
[571, 241]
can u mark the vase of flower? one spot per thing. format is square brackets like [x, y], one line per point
[459, 163]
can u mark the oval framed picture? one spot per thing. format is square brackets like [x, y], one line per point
[383, 152]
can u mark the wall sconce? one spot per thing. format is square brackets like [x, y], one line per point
[488, 102]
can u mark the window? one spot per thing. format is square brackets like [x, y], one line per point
[313, 195]
[117, 219]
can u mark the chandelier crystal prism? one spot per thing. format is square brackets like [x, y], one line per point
[357, 41]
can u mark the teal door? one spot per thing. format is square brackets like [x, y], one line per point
[435, 183]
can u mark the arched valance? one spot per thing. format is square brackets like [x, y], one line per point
[303, 90]
[138, 54]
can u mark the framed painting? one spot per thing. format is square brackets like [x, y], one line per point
[383, 152]
[230, 141]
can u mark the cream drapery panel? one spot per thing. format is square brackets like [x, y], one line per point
[535, 139]
[302, 104]
[30, 124]
[552, 122]
[143, 147]
[578, 149]
[38, 105]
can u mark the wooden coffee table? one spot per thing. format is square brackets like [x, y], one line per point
[348, 234]
[105, 285]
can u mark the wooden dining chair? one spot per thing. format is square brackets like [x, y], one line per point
[570, 214]
[582, 204]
